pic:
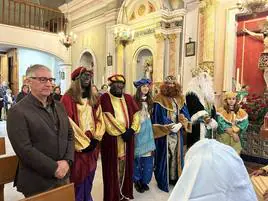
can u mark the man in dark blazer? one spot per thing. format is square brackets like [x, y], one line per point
[40, 134]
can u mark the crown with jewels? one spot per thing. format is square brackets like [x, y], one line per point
[171, 79]
[229, 94]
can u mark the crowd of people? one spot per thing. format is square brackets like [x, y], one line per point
[58, 139]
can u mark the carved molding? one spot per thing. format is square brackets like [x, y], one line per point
[207, 66]
[160, 37]
[172, 37]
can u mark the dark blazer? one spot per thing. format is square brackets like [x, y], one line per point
[39, 144]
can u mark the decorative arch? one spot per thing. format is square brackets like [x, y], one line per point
[91, 52]
[134, 6]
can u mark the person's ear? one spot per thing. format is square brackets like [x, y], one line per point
[28, 81]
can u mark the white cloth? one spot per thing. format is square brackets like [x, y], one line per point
[176, 127]
[212, 124]
[213, 172]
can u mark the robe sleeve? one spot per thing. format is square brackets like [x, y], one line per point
[184, 119]
[242, 125]
[113, 127]
[81, 141]
[100, 125]
[161, 122]
[222, 124]
[196, 109]
[136, 122]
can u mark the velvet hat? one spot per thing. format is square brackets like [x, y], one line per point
[141, 82]
[116, 78]
[78, 71]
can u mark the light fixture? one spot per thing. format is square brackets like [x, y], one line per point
[252, 6]
[67, 38]
[123, 33]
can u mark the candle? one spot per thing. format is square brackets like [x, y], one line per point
[237, 79]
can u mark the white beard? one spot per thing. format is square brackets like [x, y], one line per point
[202, 85]
[207, 89]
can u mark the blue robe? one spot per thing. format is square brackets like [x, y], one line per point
[160, 117]
[144, 140]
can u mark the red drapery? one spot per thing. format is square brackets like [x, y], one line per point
[249, 50]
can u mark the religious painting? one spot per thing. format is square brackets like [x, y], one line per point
[109, 60]
[190, 49]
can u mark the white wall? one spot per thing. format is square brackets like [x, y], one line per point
[28, 38]
[190, 30]
[28, 57]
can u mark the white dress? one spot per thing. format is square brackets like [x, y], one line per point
[213, 172]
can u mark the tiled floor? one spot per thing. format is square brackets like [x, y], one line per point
[154, 194]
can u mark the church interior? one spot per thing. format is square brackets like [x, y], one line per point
[152, 39]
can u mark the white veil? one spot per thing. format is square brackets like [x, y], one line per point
[213, 172]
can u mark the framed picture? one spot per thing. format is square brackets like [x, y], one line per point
[190, 49]
[109, 60]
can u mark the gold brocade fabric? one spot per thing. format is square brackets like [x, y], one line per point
[171, 105]
[81, 141]
[229, 117]
[87, 123]
[166, 102]
[121, 115]
[116, 125]
[85, 117]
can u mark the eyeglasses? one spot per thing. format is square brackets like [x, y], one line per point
[44, 79]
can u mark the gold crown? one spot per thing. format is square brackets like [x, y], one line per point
[229, 94]
[170, 79]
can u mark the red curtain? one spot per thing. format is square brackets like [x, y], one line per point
[249, 50]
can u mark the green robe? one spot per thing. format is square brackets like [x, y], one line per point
[237, 121]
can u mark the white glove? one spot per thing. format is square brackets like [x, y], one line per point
[176, 127]
[212, 124]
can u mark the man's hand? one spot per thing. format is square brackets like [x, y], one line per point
[229, 131]
[176, 127]
[62, 170]
[127, 135]
[92, 146]
[236, 137]
[207, 119]
[258, 172]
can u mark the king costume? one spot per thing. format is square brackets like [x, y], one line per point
[169, 161]
[144, 139]
[201, 107]
[88, 124]
[236, 120]
[120, 115]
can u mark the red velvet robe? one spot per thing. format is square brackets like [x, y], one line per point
[84, 163]
[109, 155]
